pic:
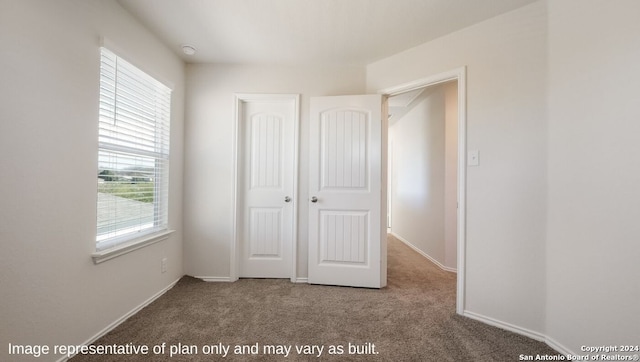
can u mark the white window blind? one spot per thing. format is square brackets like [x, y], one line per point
[133, 153]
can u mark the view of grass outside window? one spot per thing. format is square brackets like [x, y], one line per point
[126, 190]
[133, 153]
[135, 183]
[134, 190]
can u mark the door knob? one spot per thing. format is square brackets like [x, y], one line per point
[314, 199]
[287, 199]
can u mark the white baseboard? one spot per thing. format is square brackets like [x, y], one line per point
[506, 326]
[229, 280]
[126, 316]
[437, 263]
[559, 347]
[522, 331]
[215, 279]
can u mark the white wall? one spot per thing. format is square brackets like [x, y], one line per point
[209, 152]
[593, 246]
[506, 121]
[52, 293]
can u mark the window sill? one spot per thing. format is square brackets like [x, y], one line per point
[107, 254]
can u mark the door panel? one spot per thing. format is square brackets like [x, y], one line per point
[345, 174]
[343, 149]
[267, 181]
[265, 233]
[343, 237]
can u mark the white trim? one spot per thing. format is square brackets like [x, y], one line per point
[126, 316]
[462, 188]
[233, 253]
[458, 74]
[296, 204]
[559, 347]
[121, 249]
[216, 279]
[301, 280]
[506, 326]
[296, 165]
[424, 82]
[239, 98]
[522, 331]
[431, 259]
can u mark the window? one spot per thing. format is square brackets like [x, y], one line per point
[133, 153]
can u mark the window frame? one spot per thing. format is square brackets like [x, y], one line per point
[116, 143]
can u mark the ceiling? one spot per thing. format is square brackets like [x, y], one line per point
[309, 32]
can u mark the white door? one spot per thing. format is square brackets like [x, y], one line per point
[347, 226]
[266, 183]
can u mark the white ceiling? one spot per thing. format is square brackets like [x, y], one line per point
[354, 32]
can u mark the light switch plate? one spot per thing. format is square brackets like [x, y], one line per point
[473, 158]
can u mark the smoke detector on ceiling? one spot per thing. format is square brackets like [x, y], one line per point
[188, 49]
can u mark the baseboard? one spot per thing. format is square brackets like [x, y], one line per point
[126, 316]
[506, 326]
[228, 279]
[522, 331]
[437, 263]
[215, 279]
[559, 347]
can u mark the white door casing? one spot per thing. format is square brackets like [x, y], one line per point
[266, 190]
[460, 76]
[347, 220]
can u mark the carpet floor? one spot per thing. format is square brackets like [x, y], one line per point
[412, 319]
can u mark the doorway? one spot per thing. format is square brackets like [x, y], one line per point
[422, 167]
[413, 188]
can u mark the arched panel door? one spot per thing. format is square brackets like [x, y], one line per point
[347, 232]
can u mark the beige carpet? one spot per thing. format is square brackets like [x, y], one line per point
[413, 319]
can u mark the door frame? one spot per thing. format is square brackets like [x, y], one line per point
[239, 99]
[459, 75]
